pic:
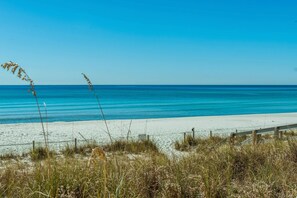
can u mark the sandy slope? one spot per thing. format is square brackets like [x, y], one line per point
[164, 131]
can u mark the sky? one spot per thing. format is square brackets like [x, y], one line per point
[196, 42]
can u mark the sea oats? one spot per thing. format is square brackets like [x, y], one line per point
[21, 74]
[91, 88]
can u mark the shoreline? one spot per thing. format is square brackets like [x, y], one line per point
[165, 118]
[164, 131]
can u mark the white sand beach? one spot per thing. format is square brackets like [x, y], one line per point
[164, 131]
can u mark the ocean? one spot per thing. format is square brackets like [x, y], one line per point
[77, 103]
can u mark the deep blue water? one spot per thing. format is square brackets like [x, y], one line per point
[75, 103]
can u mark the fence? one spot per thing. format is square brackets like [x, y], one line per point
[164, 141]
[25, 147]
[58, 145]
[256, 134]
[160, 139]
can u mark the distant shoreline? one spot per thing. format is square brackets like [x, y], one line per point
[163, 118]
[148, 119]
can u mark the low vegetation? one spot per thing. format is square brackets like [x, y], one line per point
[221, 170]
[191, 143]
[8, 156]
[84, 149]
[119, 146]
[41, 153]
[131, 146]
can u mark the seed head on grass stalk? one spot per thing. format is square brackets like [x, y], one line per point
[91, 88]
[21, 74]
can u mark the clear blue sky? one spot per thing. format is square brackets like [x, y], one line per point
[151, 42]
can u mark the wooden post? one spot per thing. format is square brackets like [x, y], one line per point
[210, 134]
[184, 136]
[254, 137]
[193, 130]
[148, 137]
[75, 144]
[276, 133]
[33, 145]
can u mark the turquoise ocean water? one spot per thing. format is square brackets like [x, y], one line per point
[76, 103]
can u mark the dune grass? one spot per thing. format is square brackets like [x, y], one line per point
[265, 170]
[8, 156]
[132, 146]
[84, 149]
[119, 146]
[41, 153]
[190, 143]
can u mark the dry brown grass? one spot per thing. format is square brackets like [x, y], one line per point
[265, 170]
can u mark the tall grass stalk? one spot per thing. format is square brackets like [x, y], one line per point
[129, 130]
[21, 74]
[46, 117]
[91, 88]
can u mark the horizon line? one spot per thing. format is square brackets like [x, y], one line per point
[156, 85]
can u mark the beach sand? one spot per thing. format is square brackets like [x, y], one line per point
[164, 131]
